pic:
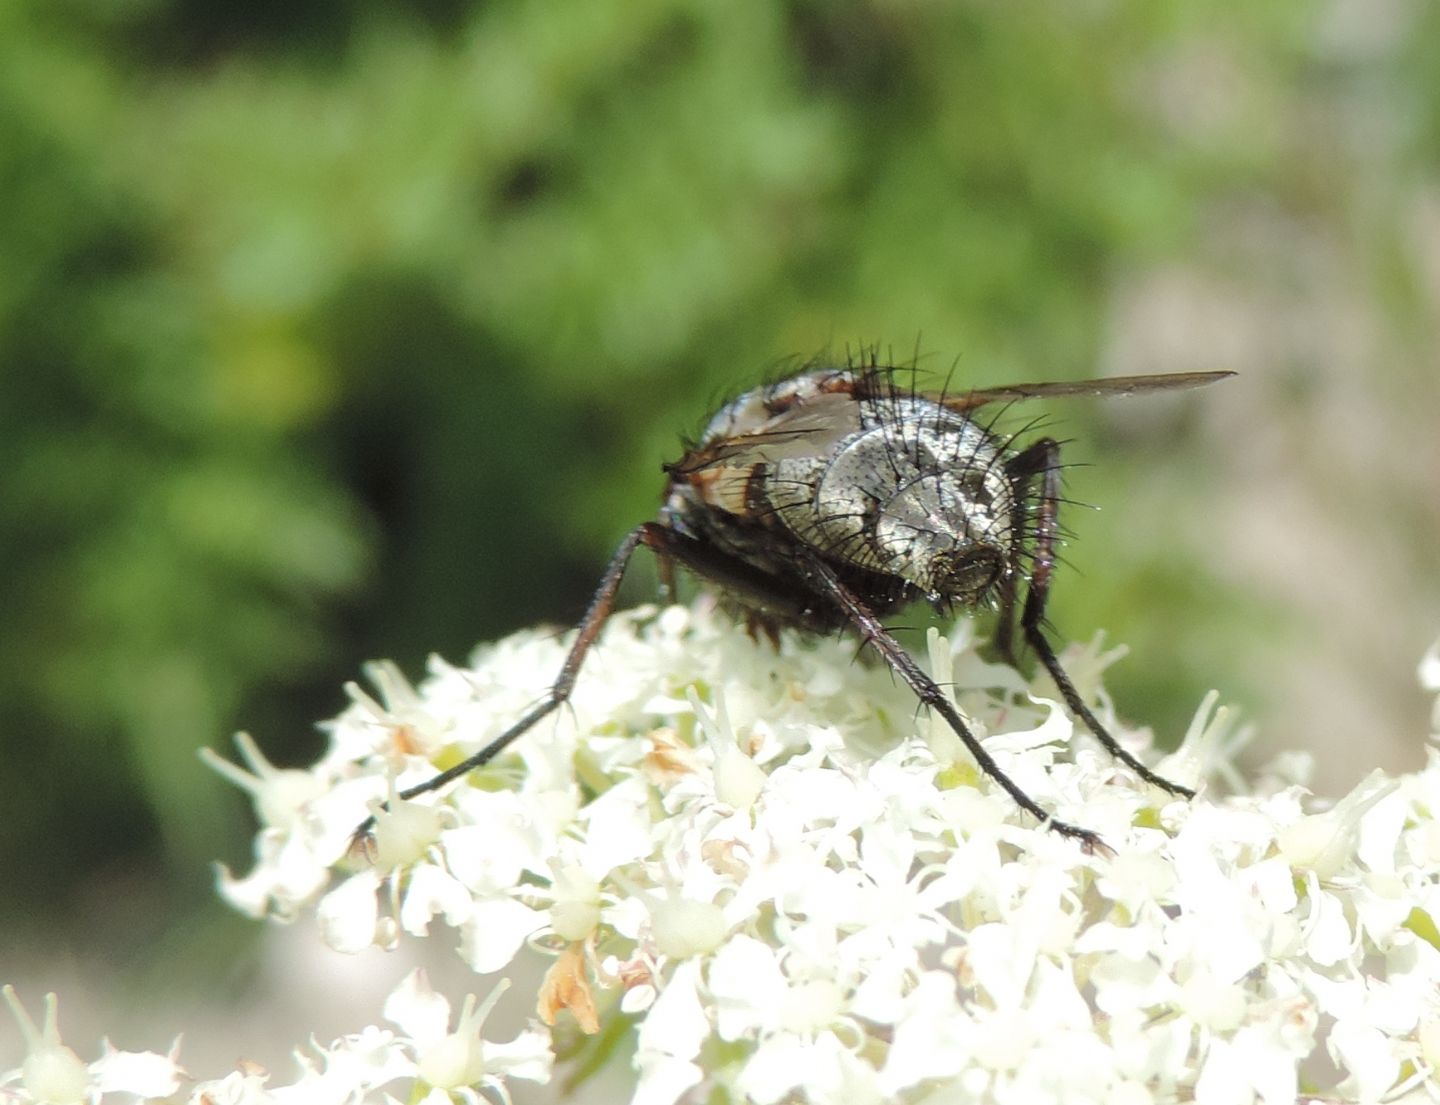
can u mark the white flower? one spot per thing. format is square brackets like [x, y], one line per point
[280, 794]
[306, 819]
[407, 722]
[354, 1069]
[462, 1061]
[346, 1071]
[52, 1074]
[51, 1071]
[142, 1073]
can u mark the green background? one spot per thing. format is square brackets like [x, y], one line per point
[339, 330]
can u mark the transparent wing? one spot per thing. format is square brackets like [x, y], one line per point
[810, 428]
[1112, 385]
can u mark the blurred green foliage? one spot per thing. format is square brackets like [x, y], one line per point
[349, 329]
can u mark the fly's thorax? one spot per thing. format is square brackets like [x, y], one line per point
[917, 492]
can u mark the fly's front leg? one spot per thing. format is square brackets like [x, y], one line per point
[650, 534]
[873, 632]
[1042, 460]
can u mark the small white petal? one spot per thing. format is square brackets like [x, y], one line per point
[677, 1024]
[1216, 1005]
[286, 875]
[663, 1079]
[490, 857]
[1004, 1040]
[431, 890]
[496, 931]
[1123, 983]
[738, 779]
[683, 927]
[782, 1063]
[403, 832]
[576, 910]
[1001, 963]
[934, 1037]
[1368, 1056]
[417, 1010]
[529, 1056]
[142, 1073]
[1429, 1037]
[1223, 1078]
[348, 914]
[1326, 933]
[746, 985]
[619, 828]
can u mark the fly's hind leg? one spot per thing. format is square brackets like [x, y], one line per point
[1042, 459]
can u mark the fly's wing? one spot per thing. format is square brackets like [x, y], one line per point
[809, 428]
[1113, 385]
[720, 470]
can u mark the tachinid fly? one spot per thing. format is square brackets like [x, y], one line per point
[832, 499]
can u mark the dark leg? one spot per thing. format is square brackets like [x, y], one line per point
[672, 548]
[1005, 592]
[1043, 459]
[601, 607]
[1006, 587]
[666, 566]
[928, 691]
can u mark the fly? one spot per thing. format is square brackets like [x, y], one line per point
[832, 499]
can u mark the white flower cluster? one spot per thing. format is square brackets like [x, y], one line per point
[422, 1054]
[789, 886]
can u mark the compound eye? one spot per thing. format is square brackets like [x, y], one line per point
[968, 576]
